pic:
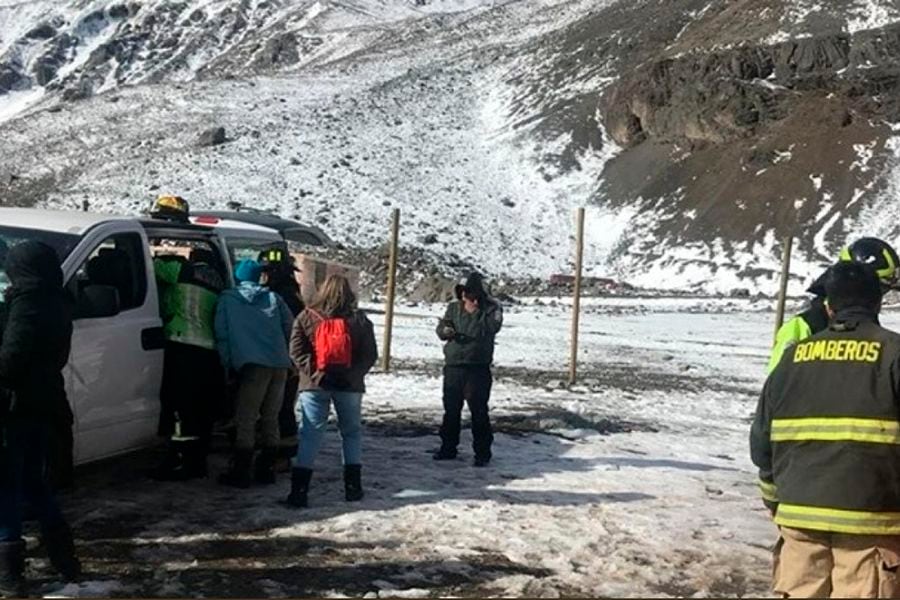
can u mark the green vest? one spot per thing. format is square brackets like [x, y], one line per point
[188, 310]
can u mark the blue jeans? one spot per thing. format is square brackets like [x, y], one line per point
[23, 459]
[312, 414]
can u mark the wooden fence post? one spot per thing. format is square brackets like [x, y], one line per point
[785, 273]
[391, 291]
[576, 305]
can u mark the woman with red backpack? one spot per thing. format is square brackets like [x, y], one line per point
[333, 347]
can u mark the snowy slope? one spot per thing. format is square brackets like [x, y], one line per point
[483, 120]
[356, 131]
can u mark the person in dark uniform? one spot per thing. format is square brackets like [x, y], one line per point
[826, 440]
[193, 383]
[469, 328]
[193, 378]
[278, 276]
[36, 343]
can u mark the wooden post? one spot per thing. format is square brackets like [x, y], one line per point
[576, 305]
[391, 291]
[785, 272]
[85, 206]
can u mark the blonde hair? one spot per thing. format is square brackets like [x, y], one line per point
[335, 297]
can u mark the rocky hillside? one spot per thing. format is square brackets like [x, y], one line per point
[698, 132]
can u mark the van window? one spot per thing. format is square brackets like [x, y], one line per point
[118, 262]
[250, 249]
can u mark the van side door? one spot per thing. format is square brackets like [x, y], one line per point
[115, 370]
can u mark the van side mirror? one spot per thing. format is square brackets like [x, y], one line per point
[97, 302]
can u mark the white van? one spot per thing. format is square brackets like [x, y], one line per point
[243, 240]
[115, 370]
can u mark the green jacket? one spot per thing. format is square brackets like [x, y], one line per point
[470, 337]
[809, 322]
[188, 308]
[826, 435]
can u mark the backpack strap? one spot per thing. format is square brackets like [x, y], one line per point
[316, 314]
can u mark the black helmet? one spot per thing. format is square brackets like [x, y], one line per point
[876, 254]
[273, 256]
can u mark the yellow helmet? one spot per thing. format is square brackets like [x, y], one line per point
[171, 207]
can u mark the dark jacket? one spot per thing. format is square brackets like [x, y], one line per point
[826, 436]
[470, 337]
[38, 332]
[303, 354]
[284, 284]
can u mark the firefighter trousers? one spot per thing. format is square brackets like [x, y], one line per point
[818, 564]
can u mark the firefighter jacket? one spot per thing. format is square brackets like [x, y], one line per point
[826, 435]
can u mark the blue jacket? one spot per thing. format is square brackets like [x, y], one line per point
[253, 326]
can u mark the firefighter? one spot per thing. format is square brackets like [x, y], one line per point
[826, 440]
[278, 276]
[869, 251]
[193, 378]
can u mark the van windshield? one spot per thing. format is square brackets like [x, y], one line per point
[63, 243]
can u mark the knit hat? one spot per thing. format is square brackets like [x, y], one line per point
[248, 270]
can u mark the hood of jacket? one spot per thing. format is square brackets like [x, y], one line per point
[32, 266]
[252, 293]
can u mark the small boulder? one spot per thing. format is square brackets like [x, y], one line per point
[214, 136]
[44, 31]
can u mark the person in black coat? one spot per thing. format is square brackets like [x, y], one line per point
[279, 269]
[35, 348]
[469, 329]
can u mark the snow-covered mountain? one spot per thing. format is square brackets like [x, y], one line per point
[698, 132]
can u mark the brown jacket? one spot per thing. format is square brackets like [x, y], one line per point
[303, 352]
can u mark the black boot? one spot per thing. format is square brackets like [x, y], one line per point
[61, 549]
[195, 459]
[444, 454]
[184, 460]
[299, 487]
[353, 491]
[264, 469]
[170, 464]
[239, 474]
[12, 567]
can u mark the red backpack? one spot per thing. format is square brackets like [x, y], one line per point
[332, 344]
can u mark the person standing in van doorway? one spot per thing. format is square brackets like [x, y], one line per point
[469, 328]
[333, 346]
[193, 379]
[253, 326]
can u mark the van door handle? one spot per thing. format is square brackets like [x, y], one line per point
[153, 338]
